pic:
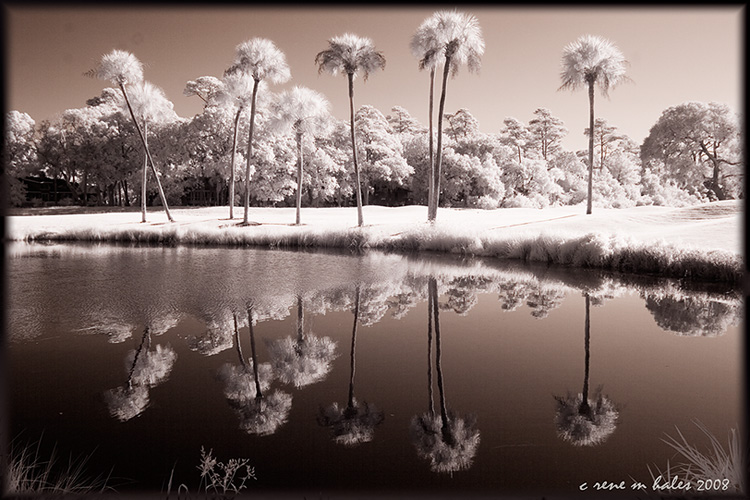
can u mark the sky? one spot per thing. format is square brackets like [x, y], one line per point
[675, 54]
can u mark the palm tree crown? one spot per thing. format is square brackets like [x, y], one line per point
[592, 60]
[425, 44]
[261, 59]
[350, 54]
[301, 109]
[119, 67]
[461, 38]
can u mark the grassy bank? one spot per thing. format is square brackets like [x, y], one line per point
[701, 242]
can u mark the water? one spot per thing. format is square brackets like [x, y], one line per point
[130, 355]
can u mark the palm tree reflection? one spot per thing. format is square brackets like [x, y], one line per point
[244, 388]
[355, 423]
[447, 440]
[584, 421]
[147, 368]
[304, 360]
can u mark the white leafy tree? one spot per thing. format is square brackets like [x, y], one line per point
[19, 152]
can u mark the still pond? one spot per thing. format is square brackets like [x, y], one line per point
[363, 372]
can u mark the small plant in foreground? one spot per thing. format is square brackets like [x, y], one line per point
[219, 477]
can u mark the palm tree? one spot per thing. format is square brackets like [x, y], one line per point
[425, 46]
[303, 111]
[352, 55]
[447, 440]
[304, 360]
[355, 423]
[236, 92]
[264, 62]
[588, 61]
[123, 68]
[151, 105]
[581, 420]
[460, 42]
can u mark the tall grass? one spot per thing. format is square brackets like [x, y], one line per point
[715, 463]
[29, 473]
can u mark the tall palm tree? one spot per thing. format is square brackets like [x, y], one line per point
[352, 55]
[236, 92]
[122, 69]
[303, 111]
[461, 42]
[581, 420]
[264, 62]
[425, 45]
[449, 441]
[151, 105]
[589, 61]
[355, 423]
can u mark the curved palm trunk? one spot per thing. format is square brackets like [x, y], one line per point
[144, 179]
[239, 345]
[585, 409]
[148, 153]
[591, 146]
[299, 177]
[250, 152]
[432, 215]
[146, 336]
[350, 403]
[258, 393]
[431, 176]
[232, 162]
[448, 437]
[360, 218]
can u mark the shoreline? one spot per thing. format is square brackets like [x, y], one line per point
[700, 242]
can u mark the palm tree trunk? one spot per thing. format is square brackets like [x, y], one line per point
[232, 162]
[360, 218]
[432, 215]
[430, 307]
[431, 180]
[591, 147]
[239, 345]
[354, 346]
[300, 320]
[148, 154]
[446, 430]
[299, 177]
[585, 409]
[144, 177]
[258, 393]
[250, 152]
[146, 335]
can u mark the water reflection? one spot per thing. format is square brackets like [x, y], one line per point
[147, 368]
[447, 440]
[244, 388]
[303, 360]
[355, 423]
[581, 420]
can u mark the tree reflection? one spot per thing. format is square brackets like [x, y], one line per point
[147, 368]
[692, 315]
[581, 420]
[447, 440]
[304, 360]
[244, 388]
[355, 423]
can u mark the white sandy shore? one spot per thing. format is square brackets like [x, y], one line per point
[703, 241]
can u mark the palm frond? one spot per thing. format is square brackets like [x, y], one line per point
[119, 67]
[260, 58]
